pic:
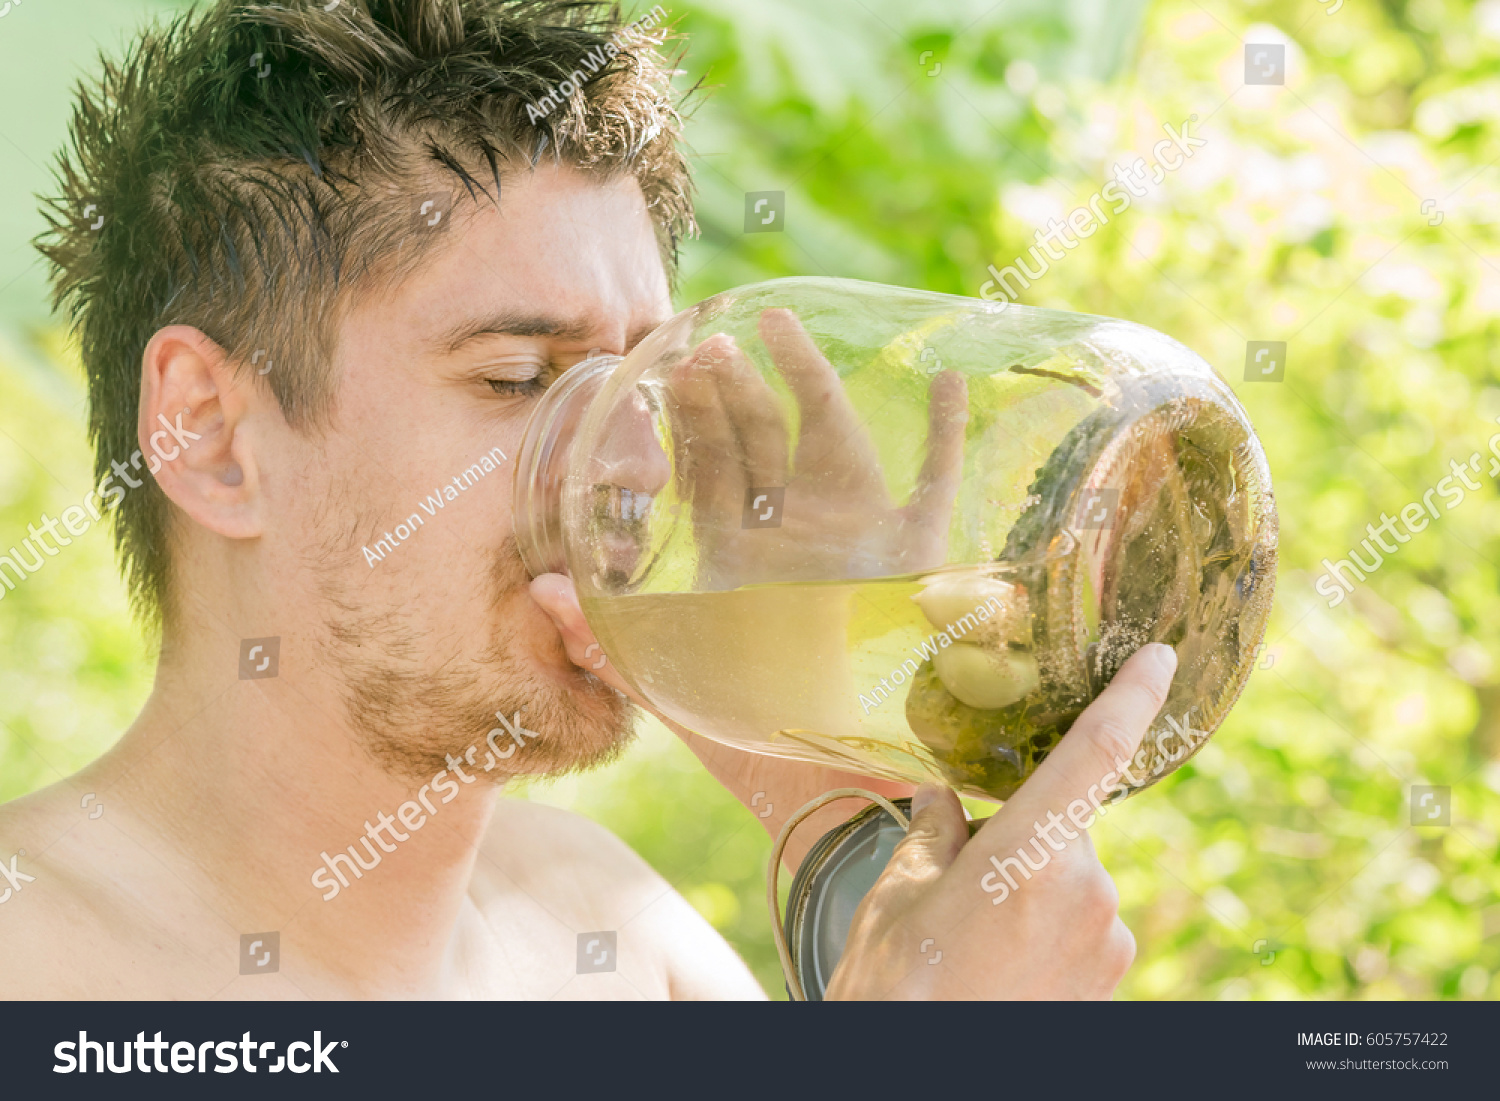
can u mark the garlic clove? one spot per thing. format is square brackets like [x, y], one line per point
[980, 607]
[984, 678]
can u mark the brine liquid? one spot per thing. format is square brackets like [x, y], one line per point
[834, 672]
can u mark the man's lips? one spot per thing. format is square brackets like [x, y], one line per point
[618, 552]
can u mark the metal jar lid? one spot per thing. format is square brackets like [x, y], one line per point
[834, 878]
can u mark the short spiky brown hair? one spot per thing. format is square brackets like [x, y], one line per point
[250, 202]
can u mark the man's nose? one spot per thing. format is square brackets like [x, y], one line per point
[629, 454]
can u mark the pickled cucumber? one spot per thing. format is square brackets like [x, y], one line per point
[993, 750]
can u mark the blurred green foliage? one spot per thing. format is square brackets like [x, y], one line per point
[919, 142]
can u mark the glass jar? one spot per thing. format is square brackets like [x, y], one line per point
[904, 534]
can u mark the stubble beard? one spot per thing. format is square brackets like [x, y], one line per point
[415, 709]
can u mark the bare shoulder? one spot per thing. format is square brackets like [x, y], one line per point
[93, 905]
[25, 908]
[625, 931]
[56, 917]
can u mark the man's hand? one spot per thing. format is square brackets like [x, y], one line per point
[838, 519]
[1045, 928]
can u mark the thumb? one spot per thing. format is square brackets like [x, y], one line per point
[555, 595]
[938, 830]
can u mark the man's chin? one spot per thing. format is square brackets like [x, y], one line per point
[567, 723]
[519, 708]
[581, 724]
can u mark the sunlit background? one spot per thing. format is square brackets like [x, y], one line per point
[1349, 211]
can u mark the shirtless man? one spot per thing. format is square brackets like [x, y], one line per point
[307, 308]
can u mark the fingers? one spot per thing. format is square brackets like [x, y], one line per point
[555, 595]
[1122, 952]
[930, 509]
[830, 430]
[937, 832]
[815, 384]
[706, 445]
[1095, 754]
[627, 452]
[754, 413]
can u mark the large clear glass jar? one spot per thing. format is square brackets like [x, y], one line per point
[905, 534]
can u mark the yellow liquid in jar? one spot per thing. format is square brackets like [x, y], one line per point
[840, 673]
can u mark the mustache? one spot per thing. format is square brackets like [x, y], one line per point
[508, 571]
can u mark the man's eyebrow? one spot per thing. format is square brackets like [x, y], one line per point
[510, 323]
[640, 334]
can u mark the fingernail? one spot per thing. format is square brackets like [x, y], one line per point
[1163, 656]
[923, 798]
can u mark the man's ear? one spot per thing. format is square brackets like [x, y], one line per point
[193, 432]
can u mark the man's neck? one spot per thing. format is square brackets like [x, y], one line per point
[249, 792]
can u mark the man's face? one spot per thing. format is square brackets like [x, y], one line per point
[432, 631]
